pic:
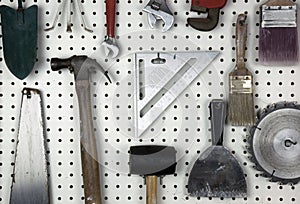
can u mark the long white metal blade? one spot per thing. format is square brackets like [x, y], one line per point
[30, 181]
[160, 78]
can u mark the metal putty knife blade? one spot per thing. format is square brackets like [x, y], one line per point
[30, 180]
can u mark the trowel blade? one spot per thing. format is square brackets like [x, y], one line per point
[217, 173]
[30, 176]
[160, 78]
[19, 30]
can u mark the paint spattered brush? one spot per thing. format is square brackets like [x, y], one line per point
[278, 36]
[241, 105]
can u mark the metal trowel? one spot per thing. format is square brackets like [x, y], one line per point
[217, 172]
[30, 176]
[19, 30]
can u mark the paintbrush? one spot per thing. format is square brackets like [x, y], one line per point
[241, 106]
[278, 36]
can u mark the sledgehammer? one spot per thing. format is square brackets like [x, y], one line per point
[82, 67]
[152, 162]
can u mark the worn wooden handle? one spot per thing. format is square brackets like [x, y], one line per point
[90, 165]
[151, 182]
[91, 178]
[241, 39]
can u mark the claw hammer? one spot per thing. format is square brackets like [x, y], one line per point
[82, 66]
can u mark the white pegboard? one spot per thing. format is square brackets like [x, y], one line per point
[184, 125]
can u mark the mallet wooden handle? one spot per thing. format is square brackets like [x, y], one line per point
[151, 185]
[90, 165]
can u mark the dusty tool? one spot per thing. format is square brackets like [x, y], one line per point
[241, 104]
[159, 10]
[82, 66]
[160, 78]
[275, 142]
[217, 173]
[30, 176]
[278, 35]
[19, 30]
[61, 8]
[110, 45]
[152, 162]
[209, 7]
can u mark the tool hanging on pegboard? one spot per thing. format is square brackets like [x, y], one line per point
[160, 78]
[275, 142]
[62, 8]
[82, 67]
[209, 7]
[110, 45]
[20, 34]
[159, 10]
[30, 176]
[217, 172]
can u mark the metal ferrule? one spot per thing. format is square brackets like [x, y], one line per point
[278, 16]
[241, 84]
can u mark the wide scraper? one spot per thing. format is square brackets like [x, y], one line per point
[217, 173]
[30, 176]
[19, 30]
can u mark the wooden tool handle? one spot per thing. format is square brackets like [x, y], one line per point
[151, 186]
[280, 3]
[90, 165]
[110, 17]
[241, 39]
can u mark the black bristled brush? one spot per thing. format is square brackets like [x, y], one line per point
[278, 36]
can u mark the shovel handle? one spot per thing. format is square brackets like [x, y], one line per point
[90, 165]
[110, 17]
[241, 39]
[151, 186]
[20, 4]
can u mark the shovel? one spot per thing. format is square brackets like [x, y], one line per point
[217, 173]
[19, 30]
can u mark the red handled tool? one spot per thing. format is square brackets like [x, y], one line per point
[111, 47]
[212, 8]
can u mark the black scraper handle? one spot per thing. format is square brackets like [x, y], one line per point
[217, 119]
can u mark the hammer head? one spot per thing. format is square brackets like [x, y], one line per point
[152, 160]
[80, 65]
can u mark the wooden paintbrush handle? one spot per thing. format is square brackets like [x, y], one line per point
[279, 3]
[151, 185]
[241, 39]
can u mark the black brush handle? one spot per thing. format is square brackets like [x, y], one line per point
[241, 39]
[217, 119]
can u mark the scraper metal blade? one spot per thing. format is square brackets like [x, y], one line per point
[160, 78]
[30, 176]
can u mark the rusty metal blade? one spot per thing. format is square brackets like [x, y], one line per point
[30, 180]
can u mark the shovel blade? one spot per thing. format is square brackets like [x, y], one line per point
[217, 173]
[19, 30]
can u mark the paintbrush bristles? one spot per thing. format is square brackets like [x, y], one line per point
[278, 46]
[241, 109]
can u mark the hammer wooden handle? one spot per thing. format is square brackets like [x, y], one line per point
[151, 185]
[90, 165]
